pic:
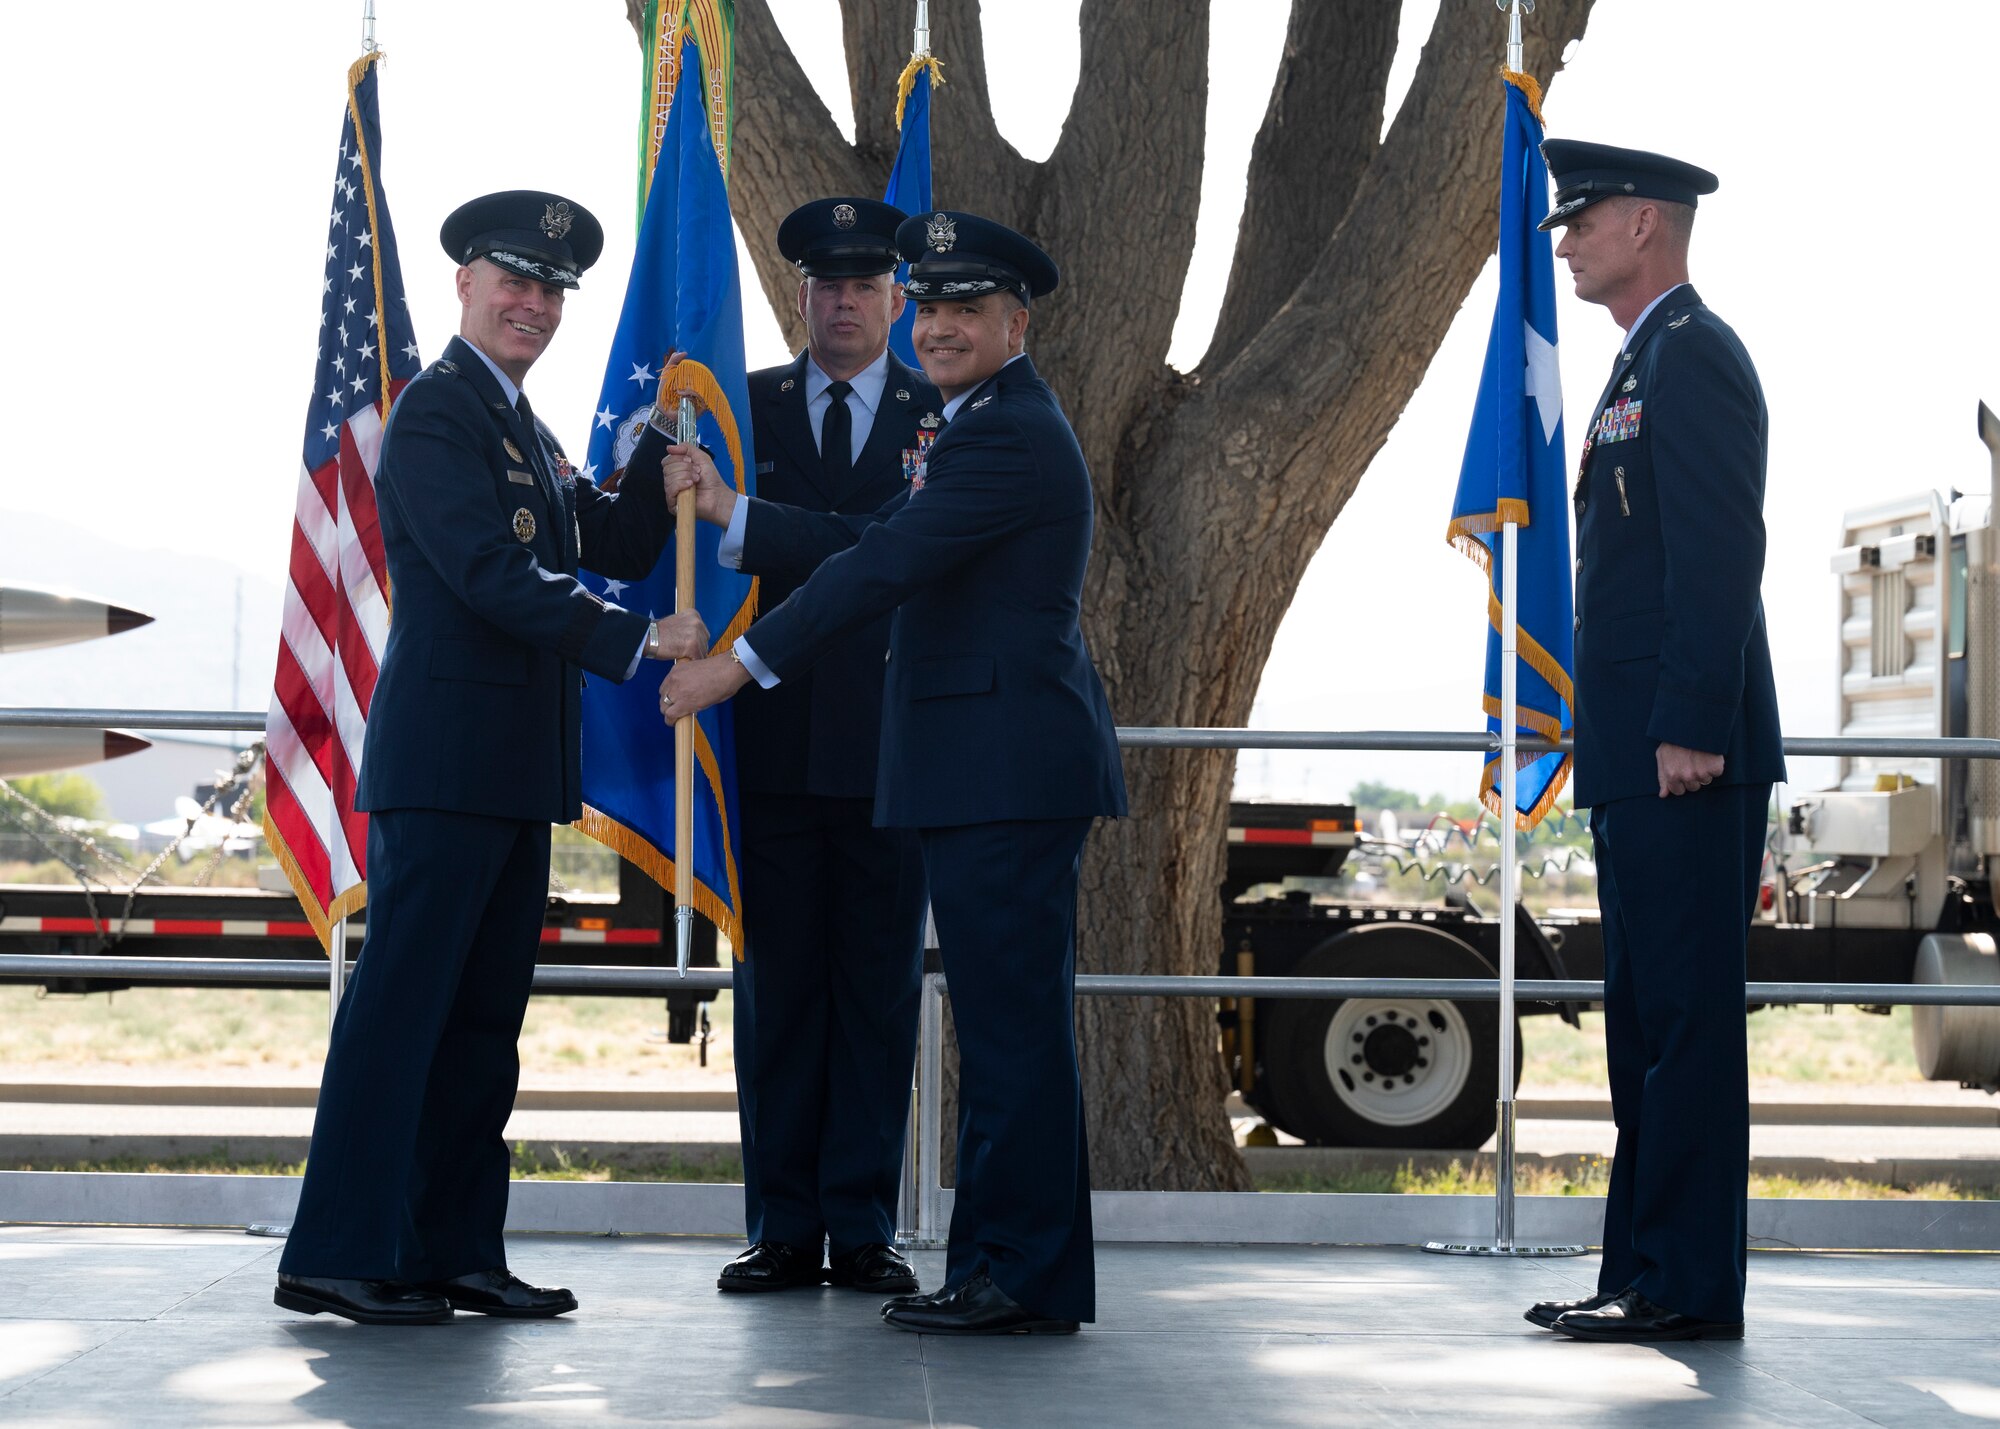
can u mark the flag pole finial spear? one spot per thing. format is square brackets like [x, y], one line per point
[1515, 10]
[920, 43]
[368, 26]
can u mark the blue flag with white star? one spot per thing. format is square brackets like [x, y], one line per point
[1514, 471]
[683, 296]
[910, 178]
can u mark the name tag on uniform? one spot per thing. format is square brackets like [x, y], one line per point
[521, 478]
[1620, 421]
[765, 468]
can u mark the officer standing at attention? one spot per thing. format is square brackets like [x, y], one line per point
[997, 748]
[827, 992]
[471, 753]
[1677, 742]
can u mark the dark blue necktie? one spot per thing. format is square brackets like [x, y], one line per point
[836, 438]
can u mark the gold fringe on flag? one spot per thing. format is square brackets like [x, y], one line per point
[639, 850]
[1531, 90]
[907, 81]
[1463, 534]
[346, 903]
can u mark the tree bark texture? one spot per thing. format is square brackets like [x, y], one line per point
[1214, 486]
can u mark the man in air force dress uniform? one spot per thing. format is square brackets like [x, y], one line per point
[833, 907]
[471, 753]
[1677, 742]
[997, 748]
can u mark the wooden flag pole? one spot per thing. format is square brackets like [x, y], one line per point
[684, 521]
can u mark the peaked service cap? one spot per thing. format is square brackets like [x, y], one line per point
[538, 235]
[1584, 173]
[961, 255]
[841, 237]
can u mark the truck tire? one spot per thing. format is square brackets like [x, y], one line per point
[1415, 1073]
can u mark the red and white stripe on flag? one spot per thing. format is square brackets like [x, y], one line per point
[336, 618]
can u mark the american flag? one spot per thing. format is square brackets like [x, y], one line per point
[337, 600]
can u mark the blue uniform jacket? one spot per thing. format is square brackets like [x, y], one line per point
[478, 706]
[817, 734]
[1670, 642]
[991, 708]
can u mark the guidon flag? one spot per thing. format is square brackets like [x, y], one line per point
[1514, 472]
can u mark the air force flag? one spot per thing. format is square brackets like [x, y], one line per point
[1514, 471]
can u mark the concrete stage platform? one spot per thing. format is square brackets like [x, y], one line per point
[129, 1326]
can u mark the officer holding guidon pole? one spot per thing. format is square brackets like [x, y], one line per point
[472, 752]
[998, 749]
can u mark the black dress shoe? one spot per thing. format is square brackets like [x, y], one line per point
[503, 1293]
[978, 1307]
[1545, 1313]
[900, 1301]
[876, 1268]
[1633, 1319]
[366, 1302]
[772, 1265]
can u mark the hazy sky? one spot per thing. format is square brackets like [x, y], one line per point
[169, 177]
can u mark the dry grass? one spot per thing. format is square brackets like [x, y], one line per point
[1789, 1046]
[280, 1035]
[528, 1166]
[1593, 1177]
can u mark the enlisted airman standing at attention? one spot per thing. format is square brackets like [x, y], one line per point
[998, 750]
[472, 752]
[1677, 742]
[826, 994]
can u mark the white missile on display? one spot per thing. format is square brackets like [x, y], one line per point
[28, 750]
[33, 619]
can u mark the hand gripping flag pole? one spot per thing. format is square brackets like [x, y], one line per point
[687, 433]
[1513, 471]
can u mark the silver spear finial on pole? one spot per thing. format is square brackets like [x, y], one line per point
[368, 25]
[921, 43]
[1515, 10]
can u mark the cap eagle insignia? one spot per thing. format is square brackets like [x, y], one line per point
[940, 232]
[556, 220]
[843, 215]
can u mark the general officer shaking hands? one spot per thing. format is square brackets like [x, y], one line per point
[471, 753]
[997, 748]
[1677, 742]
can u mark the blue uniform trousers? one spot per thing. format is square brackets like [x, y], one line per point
[826, 1018]
[407, 1177]
[1677, 886]
[1004, 897]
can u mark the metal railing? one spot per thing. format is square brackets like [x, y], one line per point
[592, 978]
[923, 1190]
[1130, 736]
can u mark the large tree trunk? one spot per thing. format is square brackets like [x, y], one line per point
[1215, 486]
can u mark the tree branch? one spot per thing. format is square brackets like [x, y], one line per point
[1320, 131]
[1438, 172]
[786, 151]
[1116, 206]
